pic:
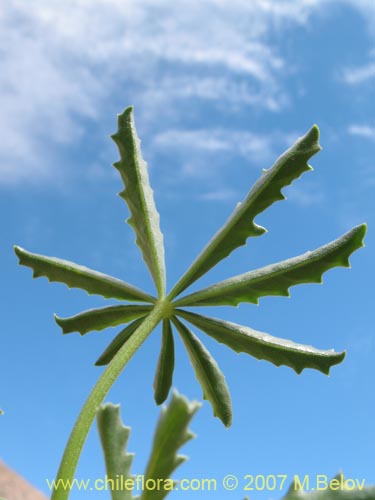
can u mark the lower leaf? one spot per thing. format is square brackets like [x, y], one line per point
[164, 370]
[263, 346]
[114, 437]
[99, 319]
[118, 342]
[276, 279]
[334, 489]
[208, 373]
[171, 433]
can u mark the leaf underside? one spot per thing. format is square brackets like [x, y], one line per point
[165, 366]
[208, 373]
[76, 276]
[171, 433]
[118, 342]
[240, 225]
[263, 346]
[276, 279]
[101, 318]
[114, 437]
[336, 492]
[139, 197]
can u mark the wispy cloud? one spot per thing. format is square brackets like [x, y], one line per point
[366, 8]
[360, 74]
[365, 131]
[236, 142]
[307, 195]
[219, 195]
[63, 63]
[208, 156]
[224, 90]
[203, 155]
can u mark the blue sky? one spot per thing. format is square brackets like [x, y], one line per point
[220, 90]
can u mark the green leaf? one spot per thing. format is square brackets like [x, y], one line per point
[208, 373]
[264, 193]
[118, 342]
[114, 437]
[75, 276]
[165, 367]
[276, 279]
[338, 491]
[264, 346]
[139, 198]
[98, 319]
[171, 433]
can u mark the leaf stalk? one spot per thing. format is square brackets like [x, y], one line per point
[87, 415]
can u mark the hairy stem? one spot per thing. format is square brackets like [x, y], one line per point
[87, 415]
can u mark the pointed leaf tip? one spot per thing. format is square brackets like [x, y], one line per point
[58, 320]
[125, 117]
[129, 111]
[361, 229]
[314, 134]
[17, 250]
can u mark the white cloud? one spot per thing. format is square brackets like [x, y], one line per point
[223, 90]
[234, 142]
[219, 195]
[366, 8]
[364, 131]
[207, 157]
[365, 73]
[305, 196]
[62, 62]
[360, 74]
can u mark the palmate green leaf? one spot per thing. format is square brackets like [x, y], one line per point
[276, 279]
[264, 346]
[171, 433]
[240, 225]
[76, 276]
[208, 373]
[165, 367]
[118, 342]
[114, 437]
[101, 318]
[139, 198]
[338, 490]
